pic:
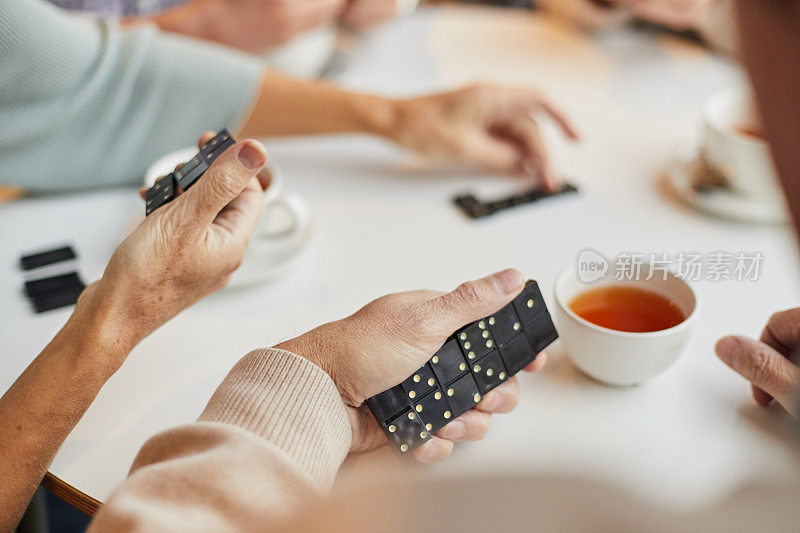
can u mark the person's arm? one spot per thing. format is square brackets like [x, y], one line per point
[277, 429]
[85, 104]
[180, 253]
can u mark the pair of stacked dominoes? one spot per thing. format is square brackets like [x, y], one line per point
[472, 362]
[55, 291]
[167, 187]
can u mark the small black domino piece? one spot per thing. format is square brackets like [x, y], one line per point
[462, 395]
[541, 332]
[504, 324]
[473, 207]
[166, 188]
[46, 302]
[419, 383]
[473, 361]
[162, 192]
[529, 304]
[448, 363]
[389, 403]
[433, 409]
[489, 372]
[517, 353]
[190, 172]
[60, 283]
[406, 431]
[47, 257]
[475, 340]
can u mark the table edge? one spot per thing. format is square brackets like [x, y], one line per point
[78, 499]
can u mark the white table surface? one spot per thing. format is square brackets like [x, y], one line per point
[686, 438]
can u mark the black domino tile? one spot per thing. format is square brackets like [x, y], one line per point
[489, 372]
[472, 362]
[190, 172]
[165, 189]
[161, 193]
[529, 304]
[60, 283]
[406, 431]
[47, 302]
[517, 353]
[388, 403]
[475, 340]
[541, 332]
[462, 395]
[48, 257]
[419, 383]
[448, 363]
[434, 410]
[221, 138]
[504, 324]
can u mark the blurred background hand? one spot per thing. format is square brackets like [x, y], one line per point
[364, 14]
[255, 26]
[388, 339]
[491, 126]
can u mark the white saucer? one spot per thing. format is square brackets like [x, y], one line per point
[717, 200]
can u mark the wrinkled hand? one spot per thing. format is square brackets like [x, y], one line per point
[487, 125]
[364, 14]
[388, 339]
[260, 25]
[766, 363]
[184, 250]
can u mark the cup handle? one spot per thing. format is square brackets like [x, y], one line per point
[298, 211]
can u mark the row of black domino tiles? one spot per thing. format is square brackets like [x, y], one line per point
[165, 189]
[473, 361]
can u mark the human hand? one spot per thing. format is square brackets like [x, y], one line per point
[767, 363]
[254, 26]
[487, 125]
[364, 14]
[183, 251]
[388, 339]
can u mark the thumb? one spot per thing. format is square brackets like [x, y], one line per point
[474, 300]
[225, 179]
[763, 366]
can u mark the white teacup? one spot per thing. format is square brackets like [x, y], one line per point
[744, 160]
[621, 357]
[283, 231]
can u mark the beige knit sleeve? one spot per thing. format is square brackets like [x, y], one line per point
[271, 438]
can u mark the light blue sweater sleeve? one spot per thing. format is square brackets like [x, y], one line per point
[85, 104]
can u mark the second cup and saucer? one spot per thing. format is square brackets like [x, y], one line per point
[731, 174]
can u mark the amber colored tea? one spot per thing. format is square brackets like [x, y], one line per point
[627, 308]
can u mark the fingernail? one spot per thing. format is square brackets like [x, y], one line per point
[491, 401]
[530, 167]
[253, 155]
[454, 430]
[726, 349]
[509, 280]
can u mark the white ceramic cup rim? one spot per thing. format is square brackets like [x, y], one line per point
[728, 98]
[564, 306]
